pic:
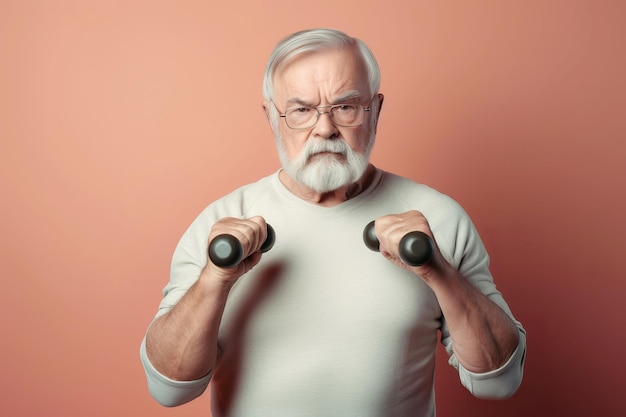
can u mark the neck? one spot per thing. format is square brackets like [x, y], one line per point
[330, 198]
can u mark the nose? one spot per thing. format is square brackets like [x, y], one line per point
[325, 127]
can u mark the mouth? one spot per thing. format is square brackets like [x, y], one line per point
[325, 154]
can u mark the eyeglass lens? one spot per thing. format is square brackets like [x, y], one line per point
[341, 114]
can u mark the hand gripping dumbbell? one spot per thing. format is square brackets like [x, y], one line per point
[415, 248]
[226, 250]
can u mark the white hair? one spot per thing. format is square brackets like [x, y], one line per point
[317, 40]
[327, 173]
[314, 40]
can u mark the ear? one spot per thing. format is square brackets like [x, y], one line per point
[266, 110]
[380, 98]
[268, 116]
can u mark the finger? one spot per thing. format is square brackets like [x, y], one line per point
[251, 233]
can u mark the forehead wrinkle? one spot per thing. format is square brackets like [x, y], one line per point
[306, 81]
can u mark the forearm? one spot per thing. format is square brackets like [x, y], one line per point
[182, 344]
[483, 336]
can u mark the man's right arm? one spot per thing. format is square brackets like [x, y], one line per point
[182, 345]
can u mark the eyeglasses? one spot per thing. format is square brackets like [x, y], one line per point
[303, 117]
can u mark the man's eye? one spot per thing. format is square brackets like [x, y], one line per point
[300, 110]
[346, 108]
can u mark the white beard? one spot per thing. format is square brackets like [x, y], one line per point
[326, 172]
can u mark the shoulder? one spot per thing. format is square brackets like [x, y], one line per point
[241, 200]
[422, 196]
[447, 219]
[238, 203]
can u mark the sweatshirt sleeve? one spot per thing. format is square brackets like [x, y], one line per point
[500, 383]
[462, 246]
[187, 262]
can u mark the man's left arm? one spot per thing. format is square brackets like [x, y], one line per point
[486, 344]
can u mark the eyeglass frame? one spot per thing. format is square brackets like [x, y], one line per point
[329, 112]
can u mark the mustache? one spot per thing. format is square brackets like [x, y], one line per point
[313, 147]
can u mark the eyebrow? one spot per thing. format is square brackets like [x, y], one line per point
[345, 97]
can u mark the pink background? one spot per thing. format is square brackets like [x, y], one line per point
[120, 120]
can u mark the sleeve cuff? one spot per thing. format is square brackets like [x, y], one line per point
[500, 383]
[169, 392]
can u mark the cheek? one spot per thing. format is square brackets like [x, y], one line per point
[293, 142]
[357, 138]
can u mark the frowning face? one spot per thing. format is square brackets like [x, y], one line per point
[325, 156]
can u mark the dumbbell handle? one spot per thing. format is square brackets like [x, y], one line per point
[226, 250]
[415, 248]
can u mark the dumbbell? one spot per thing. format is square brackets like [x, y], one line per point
[226, 250]
[415, 248]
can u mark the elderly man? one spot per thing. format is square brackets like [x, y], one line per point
[322, 326]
